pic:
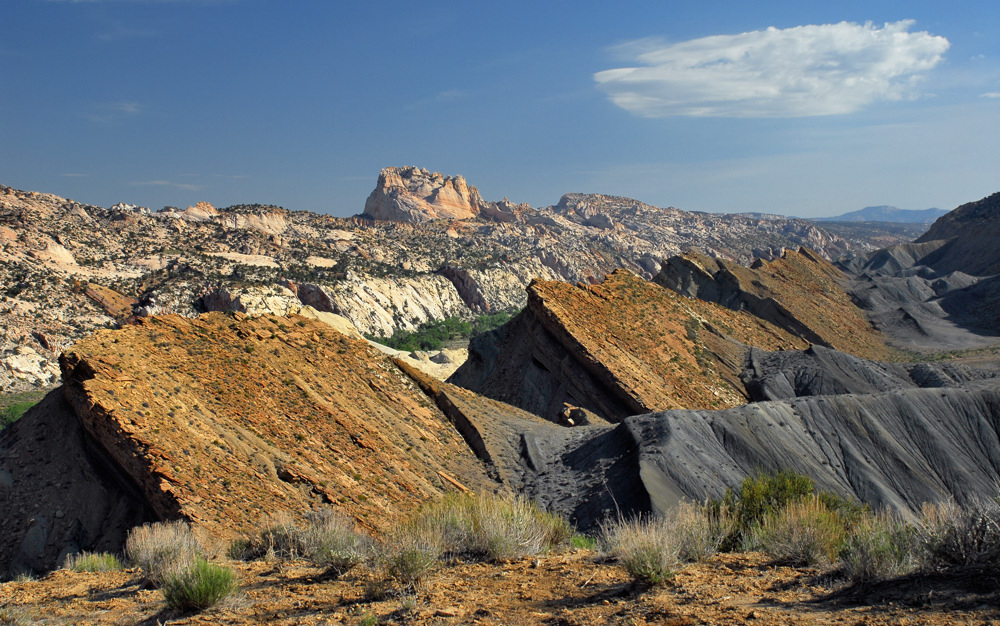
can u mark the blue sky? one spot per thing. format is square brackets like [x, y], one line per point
[798, 108]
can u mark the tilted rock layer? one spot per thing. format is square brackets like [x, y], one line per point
[799, 291]
[617, 348]
[219, 420]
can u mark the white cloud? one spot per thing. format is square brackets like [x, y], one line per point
[991, 94]
[795, 72]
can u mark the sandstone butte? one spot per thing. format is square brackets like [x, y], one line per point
[618, 348]
[221, 420]
[799, 291]
[412, 194]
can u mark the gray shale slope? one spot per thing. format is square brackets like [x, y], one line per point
[893, 450]
[941, 292]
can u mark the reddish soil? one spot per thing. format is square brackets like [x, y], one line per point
[570, 588]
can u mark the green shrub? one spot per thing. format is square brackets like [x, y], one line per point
[760, 497]
[804, 532]
[646, 548]
[878, 548]
[432, 334]
[198, 586]
[162, 548]
[93, 562]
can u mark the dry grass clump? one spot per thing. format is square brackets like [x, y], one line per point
[652, 549]
[489, 527]
[326, 538]
[805, 532]
[952, 536]
[162, 548]
[878, 547]
[647, 549]
[92, 562]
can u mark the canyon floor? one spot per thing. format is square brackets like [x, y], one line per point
[574, 587]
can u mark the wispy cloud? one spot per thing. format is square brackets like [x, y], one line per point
[167, 183]
[107, 112]
[795, 72]
[991, 95]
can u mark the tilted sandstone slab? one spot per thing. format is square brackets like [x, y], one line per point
[221, 419]
[618, 348]
[800, 292]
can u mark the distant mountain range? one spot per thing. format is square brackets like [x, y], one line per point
[886, 213]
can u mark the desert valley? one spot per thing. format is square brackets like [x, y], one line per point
[606, 363]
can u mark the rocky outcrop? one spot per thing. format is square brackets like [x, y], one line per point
[378, 306]
[253, 301]
[216, 420]
[617, 348]
[412, 194]
[165, 261]
[799, 292]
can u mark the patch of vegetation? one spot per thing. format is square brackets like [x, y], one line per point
[651, 550]
[162, 548]
[803, 533]
[486, 528]
[200, 585]
[759, 498]
[93, 562]
[879, 547]
[326, 538]
[433, 334]
[13, 406]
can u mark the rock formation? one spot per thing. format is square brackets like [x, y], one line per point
[892, 450]
[217, 420]
[973, 229]
[941, 292]
[799, 292]
[412, 194]
[617, 348]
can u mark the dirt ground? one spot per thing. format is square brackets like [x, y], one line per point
[577, 587]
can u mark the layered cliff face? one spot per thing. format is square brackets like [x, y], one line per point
[617, 348]
[219, 419]
[799, 292]
[412, 194]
